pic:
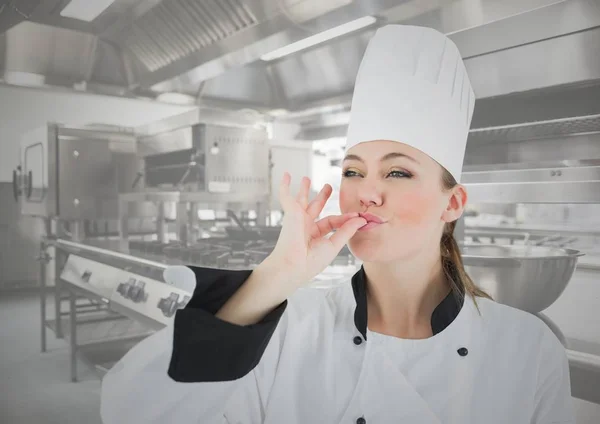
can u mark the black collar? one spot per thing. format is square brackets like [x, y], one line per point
[442, 316]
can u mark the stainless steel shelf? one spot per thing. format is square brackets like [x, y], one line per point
[540, 230]
[536, 130]
[540, 184]
[535, 192]
[547, 172]
[103, 328]
[527, 166]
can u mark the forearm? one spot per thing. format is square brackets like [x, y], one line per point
[268, 286]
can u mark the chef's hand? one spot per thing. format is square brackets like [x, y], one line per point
[303, 249]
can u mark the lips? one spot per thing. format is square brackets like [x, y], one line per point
[371, 218]
[373, 221]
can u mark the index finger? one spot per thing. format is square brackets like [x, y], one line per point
[326, 225]
[284, 190]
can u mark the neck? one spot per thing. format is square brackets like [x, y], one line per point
[402, 295]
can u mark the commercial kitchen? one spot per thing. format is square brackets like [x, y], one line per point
[138, 134]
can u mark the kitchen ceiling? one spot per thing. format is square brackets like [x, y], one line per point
[211, 50]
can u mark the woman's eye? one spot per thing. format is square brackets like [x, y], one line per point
[349, 173]
[393, 174]
[399, 174]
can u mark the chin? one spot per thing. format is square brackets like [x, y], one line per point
[374, 249]
[369, 250]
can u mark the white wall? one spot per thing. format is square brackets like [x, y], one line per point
[22, 109]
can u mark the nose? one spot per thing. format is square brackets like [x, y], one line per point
[369, 195]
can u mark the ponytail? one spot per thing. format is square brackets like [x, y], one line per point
[452, 263]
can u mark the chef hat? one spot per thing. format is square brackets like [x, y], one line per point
[412, 87]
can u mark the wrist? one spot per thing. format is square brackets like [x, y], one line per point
[264, 290]
[284, 272]
[278, 277]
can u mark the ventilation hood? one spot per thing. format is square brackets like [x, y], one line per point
[519, 53]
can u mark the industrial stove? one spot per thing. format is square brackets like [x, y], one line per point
[129, 296]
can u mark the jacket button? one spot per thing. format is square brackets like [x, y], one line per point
[357, 340]
[463, 351]
[361, 420]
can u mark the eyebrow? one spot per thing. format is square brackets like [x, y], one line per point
[389, 156]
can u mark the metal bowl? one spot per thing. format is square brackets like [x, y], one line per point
[530, 278]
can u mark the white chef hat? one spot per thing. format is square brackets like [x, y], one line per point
[412, 87]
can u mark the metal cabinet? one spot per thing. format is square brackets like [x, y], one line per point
[74, 173]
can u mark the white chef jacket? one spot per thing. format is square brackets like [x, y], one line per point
[314, 360]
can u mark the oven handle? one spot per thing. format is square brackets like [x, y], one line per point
[29, 184]
[15, 184]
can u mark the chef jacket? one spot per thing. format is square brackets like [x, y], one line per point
[313, 359]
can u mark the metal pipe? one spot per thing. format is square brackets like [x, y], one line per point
[160, 223]
[43, 294]
[192, 222]
[73, 344]
[182, 222]
[78, 231]
[57, 295]
[123, 223]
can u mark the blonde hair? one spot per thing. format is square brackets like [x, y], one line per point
[452, 262]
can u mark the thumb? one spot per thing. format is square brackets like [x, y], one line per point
[345, 232]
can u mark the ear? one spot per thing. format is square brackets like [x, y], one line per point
[456, 203]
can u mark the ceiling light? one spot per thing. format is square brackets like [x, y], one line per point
[277, 113]
[321, 37]
[85, 10]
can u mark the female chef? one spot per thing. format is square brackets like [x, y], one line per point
[410, 339]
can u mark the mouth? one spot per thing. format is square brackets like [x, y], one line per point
[373, 221]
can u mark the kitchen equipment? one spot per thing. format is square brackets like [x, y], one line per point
[258, 232]
[530, 278]
[182, 153]
[74, 173]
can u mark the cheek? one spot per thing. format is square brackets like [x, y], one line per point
[415, 207]
[347, 199]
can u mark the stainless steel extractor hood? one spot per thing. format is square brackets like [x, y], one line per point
[515, 51]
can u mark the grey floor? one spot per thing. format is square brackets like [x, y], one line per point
[36, 387]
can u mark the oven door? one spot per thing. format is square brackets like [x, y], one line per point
[38, 172]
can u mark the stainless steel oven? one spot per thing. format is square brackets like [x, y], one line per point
[74, 173]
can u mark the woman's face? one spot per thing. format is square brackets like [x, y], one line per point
[402, 187]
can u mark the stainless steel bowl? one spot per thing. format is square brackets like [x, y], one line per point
[530, 278]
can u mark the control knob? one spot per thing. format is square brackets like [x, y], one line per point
[137, 293]
[169, 305]
[124, 288]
